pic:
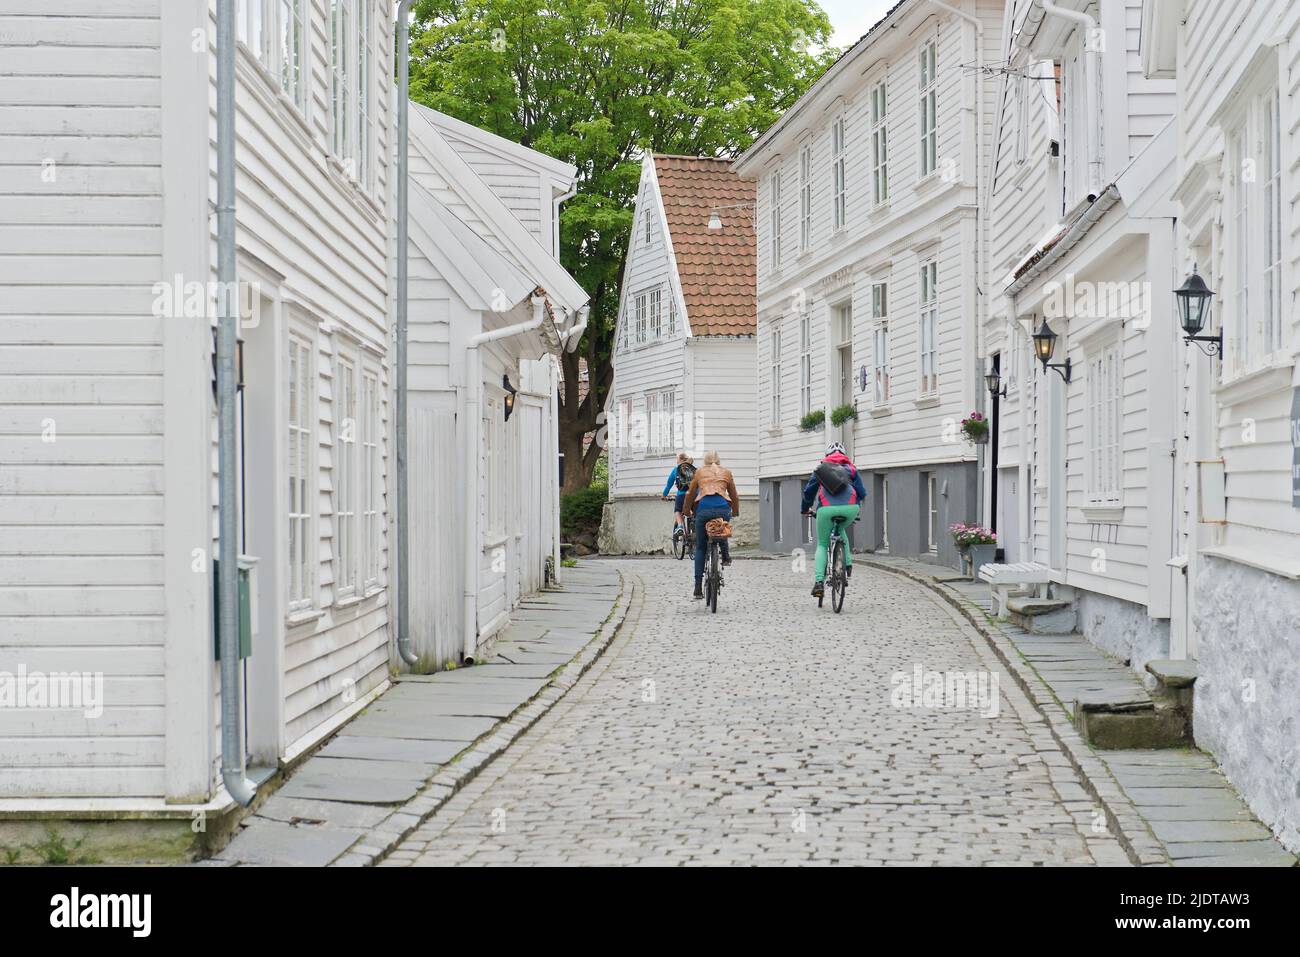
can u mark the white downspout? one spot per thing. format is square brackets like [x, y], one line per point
[1092, 84]
[473, 443]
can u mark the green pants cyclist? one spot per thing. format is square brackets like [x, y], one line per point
[837, 489]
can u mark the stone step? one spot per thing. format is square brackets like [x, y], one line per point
[1042, 616]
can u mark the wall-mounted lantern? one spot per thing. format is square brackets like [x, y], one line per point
[1194, 312]
[511, 391]
[715, 221]
[993, 382]
[1044, 346]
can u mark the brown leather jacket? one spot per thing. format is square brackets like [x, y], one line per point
[712, 480]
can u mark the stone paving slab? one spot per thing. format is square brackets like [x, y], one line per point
[389, 766]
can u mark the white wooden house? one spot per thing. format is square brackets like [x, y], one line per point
[1236, 528]
[484, 262]
[869, 250]
[107, 489]
[1081, 474]
[684, 349]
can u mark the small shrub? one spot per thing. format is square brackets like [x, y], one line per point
[581, 511]
[843, 413]
[813, 420]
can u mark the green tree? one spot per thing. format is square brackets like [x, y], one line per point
[600, 83]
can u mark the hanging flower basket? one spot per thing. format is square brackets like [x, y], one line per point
[813, 421]
[975, 428]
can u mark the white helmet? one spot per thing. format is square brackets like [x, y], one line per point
[835, 448]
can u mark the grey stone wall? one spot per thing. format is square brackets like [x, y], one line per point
[908, 508]
[1247, 695]
[1122, 629]
[643, 525]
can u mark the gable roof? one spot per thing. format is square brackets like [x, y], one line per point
[717, 268]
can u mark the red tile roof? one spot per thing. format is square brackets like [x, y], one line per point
[718, 268]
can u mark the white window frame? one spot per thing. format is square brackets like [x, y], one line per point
[275, 33]
[372, 465]
[672, 313]
[774, 360]
[656, 313]
[661, 408]
[1254, 323]
[928, 108]
[301, 378]
[881, 386]
[805, 198]
[805, 364]
[648, 227]
[1104, 422]
[640, 305]
[346, 473]
[775, 224]
[879, 142]
[932, 507]
[927, 351]
[352, 49]
[839, 171]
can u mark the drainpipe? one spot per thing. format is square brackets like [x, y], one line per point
[232, 737]
[404, 648]
[574, 335]
[473, 439]
[977, 361]
[1092, 85]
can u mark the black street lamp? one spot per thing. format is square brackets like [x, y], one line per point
[1044, 346]
[1194, 312]
[993, 382]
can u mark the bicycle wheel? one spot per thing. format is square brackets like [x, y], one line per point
[839, 579]
[715, 577]
[679, 543]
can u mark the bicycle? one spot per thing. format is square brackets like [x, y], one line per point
[683, 541]
[838, 577]
[713, 575]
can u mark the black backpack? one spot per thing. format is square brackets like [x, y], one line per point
[685, 472]
[834, 478]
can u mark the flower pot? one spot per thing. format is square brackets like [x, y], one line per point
[980, 555]
[979, 438]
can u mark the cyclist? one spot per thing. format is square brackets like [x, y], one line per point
[712, 494]
[838, 490]
[680, 476]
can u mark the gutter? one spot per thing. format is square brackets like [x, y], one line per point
[472, 439]
[1069, 239]
[233, 770]
[404, 649]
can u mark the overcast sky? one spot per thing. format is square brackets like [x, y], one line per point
[852, 18]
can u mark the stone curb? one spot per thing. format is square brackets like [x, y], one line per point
[404, 820]
[1129, 827]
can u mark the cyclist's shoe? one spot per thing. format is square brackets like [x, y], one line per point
[726, 562]
[818, 590]
[848, 571]
[699, 592]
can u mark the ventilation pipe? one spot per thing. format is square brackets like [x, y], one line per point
[404, 648]
[473, 439]
[232, 738]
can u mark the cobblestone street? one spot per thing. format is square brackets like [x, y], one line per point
[776, 733]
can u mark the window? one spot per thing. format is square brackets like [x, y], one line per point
[648, 226]
[805, 364]
[672, 314]
[624, 424]
[1074, 130]
[1254, 321]
[776, 220]
[880, 343]
[641, 319]
[1104, 386]
[302, 489]
[775, 373]
[656, 314]
[273, 31]
[838, 185]
[1021, 86]
[879, 146]
[929, 111]
[351, 79]
[661, 408]
[371, 506]
[932, 500]
[345, 479]
[928, 348]
[805, 198]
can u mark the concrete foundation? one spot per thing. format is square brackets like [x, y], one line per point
[783, 529]
[1122, 629]
[1247, 692]
[643, 525]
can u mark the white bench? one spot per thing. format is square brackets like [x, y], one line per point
[1003, 578]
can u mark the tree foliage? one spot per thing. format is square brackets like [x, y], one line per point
[600, 83]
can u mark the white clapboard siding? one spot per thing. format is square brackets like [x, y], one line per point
[724, 397]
